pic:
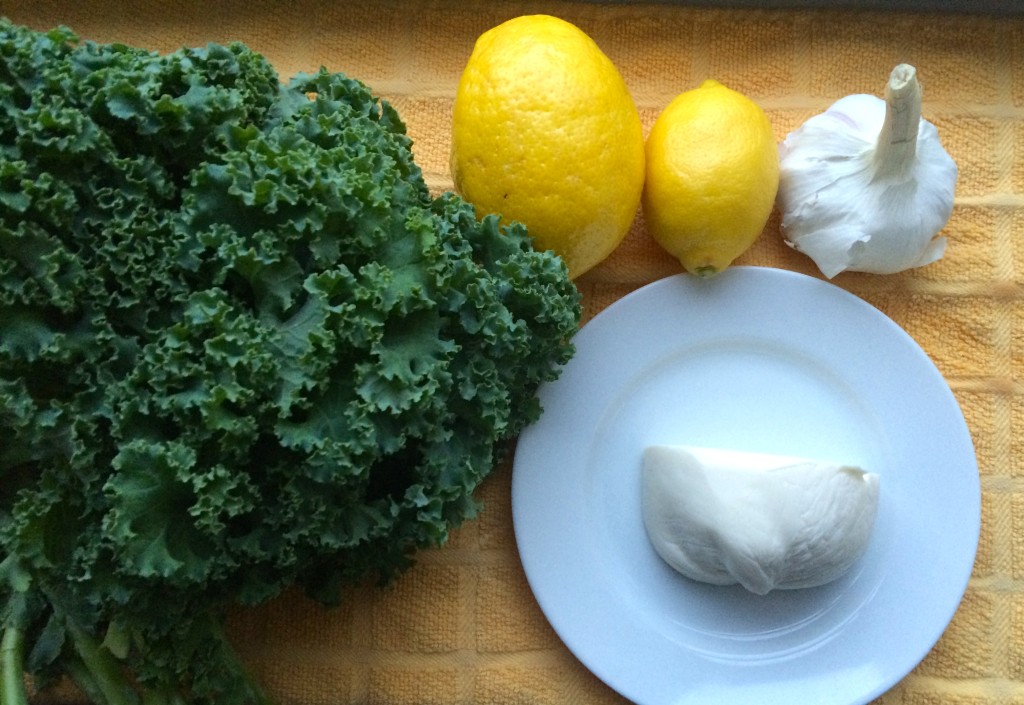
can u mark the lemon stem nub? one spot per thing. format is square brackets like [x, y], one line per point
[708, 270]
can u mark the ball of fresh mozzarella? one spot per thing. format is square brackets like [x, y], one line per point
[763, 521]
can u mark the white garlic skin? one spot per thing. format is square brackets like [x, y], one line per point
[851, 203]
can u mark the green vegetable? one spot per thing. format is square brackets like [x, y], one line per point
[241, 349]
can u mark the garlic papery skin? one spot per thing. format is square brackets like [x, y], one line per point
[866, 186]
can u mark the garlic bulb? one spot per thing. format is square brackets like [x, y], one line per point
[866, 185]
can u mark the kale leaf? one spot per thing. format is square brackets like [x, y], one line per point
[242, 348]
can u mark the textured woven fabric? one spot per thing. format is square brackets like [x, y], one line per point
[462, 626]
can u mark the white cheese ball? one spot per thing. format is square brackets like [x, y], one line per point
[763, 521]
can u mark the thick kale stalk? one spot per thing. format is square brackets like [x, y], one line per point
[241, 348]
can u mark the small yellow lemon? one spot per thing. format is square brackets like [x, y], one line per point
[545, 132]
[712, 177]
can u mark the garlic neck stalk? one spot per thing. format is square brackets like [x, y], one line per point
[897, 142]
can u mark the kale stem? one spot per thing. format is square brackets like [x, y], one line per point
[12, 654]
[103, 668]
[165, 695]
[83, 678]
[157, 697]
[234, 663]
[152, 697]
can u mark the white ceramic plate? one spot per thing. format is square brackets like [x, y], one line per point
[762, 360]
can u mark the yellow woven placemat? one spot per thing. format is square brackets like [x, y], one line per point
[462, 626]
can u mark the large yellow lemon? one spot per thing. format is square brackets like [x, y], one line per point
[545, 132]
[712, 176]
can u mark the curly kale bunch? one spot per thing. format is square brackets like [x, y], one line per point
[241, 348]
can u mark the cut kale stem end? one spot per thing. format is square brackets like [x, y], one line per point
[107, 676]
[93, 668]
[12, 654]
